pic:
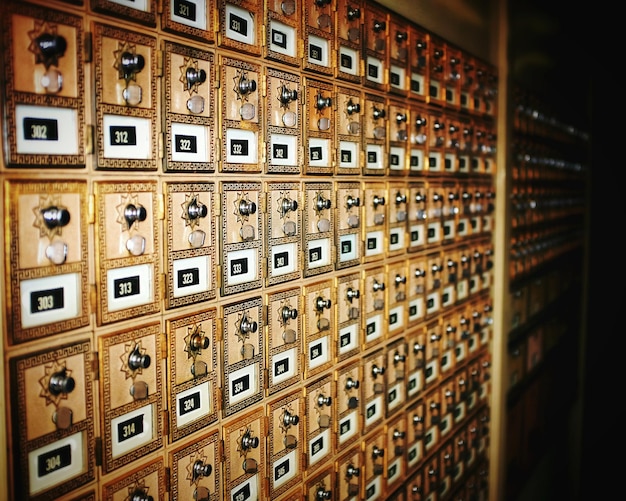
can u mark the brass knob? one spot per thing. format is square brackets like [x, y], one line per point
[195, 77]
[246, 86]
[353, 107]
[352, 384]
[247, 207]
[55, 217]
[198, 342]
[379, 26]
[352, 294]
[378, 286]
[352, 471]
[51, 46]
[287, 95]
[322, 203]
[322, 102]
[287, 205]
[248, 441]
[196, 210]
[353, 13]
[131, 64]
[353, 202]
[247, 325]
[290, 419]
[201, 469]
[377, 370]
[322, 400]
[137, 360]
[321, 303]
[378, 113]
[139, 495]
[60, 382]
[133, 213]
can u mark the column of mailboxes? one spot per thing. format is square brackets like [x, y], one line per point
[248, 252]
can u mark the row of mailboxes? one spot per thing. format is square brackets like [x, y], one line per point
[220, 110]
[357, 41]
[291, 431]
[245, 236]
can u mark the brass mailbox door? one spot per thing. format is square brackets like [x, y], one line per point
[240, 25]
[415, 429]
[348, 231]
[318, 36]
[348, 404]
[399, 46]
[349, 468]
[189, 108]
[349, 127]
[191, 246]
[44, 88]
[245, 451]
[418, 62]
[397, 217]
[452, 76]
[125, 98]
[374, 282]
[131, 391]
[53, 420]
[396, 297]
[321, 485]
[400, 121]
[190, 18]
[46, 277]
[147, 481]
[127, 246]
[349, 40]
[193, 372]
[285, 443]
[436, 70]
[284, 338]
[416, 362]
[318, 228]
[243, 362]
[283, 217]
[416, 290]
[320, 327]
[348, 315]
[418, 139]
[375, 125]
[395, 376]
[396, 447]
[375, 199]
[375, 457]
[320, 422]
[196, 468]
[283, 126]
[319, 127]
[376, 47]
[373, 405]
[283, 31]
[242, 114]
[242, 232]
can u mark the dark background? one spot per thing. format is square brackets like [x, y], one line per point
[556, 51]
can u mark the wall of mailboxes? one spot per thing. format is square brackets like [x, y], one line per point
[249, 252]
